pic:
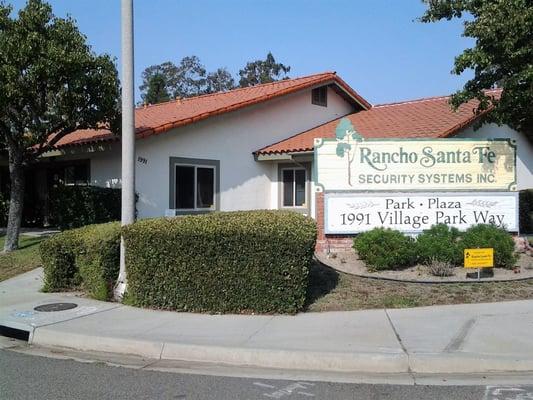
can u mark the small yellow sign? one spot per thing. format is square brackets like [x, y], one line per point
[479, 258]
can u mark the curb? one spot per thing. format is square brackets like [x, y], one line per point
[467, 363]
[373, 363]
[234, 356]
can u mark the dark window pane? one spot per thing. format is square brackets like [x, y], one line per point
[300, 187]
[288, 189]
[319, 96]
[81, 174]
[184, 187]
[205, 187]
[69, 175]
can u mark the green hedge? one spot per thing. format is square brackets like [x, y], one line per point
[382, 248]
[87, 256]
[386, 249]
[98, 259]
[439, 243]
[526, 211]
[58, 255]
[254, 261]
[481, 236]
[75, 206]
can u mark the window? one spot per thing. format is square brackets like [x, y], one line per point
[69, 173]
[76, 175]
[194, 187]
[293, 183]
[319, 96]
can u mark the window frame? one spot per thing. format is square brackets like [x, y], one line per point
[195, 201]
[318, 101]
[194, 163]
[305, 205]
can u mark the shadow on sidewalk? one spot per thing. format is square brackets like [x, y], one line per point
[322, 280]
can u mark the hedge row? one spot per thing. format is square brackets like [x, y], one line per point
[224, 262]
[383, 249]
[76, 206]
[87, 256]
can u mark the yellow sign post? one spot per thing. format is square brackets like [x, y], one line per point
[479, 258]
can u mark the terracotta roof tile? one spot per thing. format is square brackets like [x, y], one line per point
[424, 118]
[159, 118]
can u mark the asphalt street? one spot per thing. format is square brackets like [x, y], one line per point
[24, 376]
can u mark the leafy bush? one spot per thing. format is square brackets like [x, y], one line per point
[525, 211]
[75, 206]
[58, 255]
[485, 236]
[439, 243]
[88, 256]
[98, 258]
[222, 262]
[383, 249]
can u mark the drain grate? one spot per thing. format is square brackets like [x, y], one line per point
[55, 307]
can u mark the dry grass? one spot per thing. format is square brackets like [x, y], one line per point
[330, 290]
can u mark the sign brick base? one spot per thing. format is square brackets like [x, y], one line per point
[329, 243]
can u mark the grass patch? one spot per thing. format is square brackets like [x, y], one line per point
[22, 260]
[330, 290]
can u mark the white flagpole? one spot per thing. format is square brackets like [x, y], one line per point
[128, 137]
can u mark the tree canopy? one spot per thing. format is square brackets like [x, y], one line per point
[263, 71]
[51, 84]
[501, 58]
[190, 78]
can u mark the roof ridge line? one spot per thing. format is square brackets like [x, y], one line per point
[430, 98]
[422, 99]
[232, 90]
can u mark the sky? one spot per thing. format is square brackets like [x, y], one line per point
[377, 46]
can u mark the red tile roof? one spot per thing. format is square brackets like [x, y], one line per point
[424, 118]
[159, 118]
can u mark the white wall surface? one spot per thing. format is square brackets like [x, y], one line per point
[524, 151]
[230, 138]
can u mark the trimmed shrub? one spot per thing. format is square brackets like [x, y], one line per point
[59, 261]
[439, 243]
[525, 211]
[482, 236]
[87, 256]
[98, 258]
[383, 249]
[249, 261]
[76, 206]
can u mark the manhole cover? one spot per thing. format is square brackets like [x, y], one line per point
[55, 307]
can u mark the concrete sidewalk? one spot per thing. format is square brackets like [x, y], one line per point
[446, 339]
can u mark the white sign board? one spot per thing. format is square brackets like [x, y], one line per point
[414, 212]
[349, 163]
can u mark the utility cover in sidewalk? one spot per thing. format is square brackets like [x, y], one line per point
[55, 307]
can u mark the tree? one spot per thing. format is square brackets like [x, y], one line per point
[262, 71]
[501, 58]
[156, 91]
[186, 79]
[52, 84]
[219, 81]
